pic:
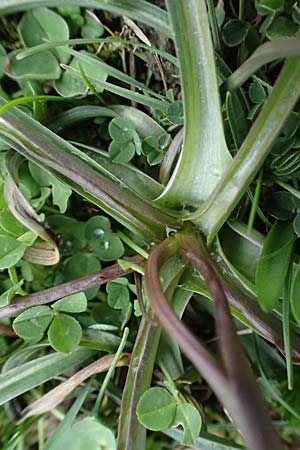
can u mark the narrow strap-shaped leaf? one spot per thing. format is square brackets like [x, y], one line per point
[33, 373]
[45, 253]
[274, 263]
[68, 420]
[267, 52]
[253, 152]
[131, 434]
[82, 41]
[36, 142]
[204, 156]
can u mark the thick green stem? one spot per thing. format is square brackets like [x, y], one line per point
[131, 434]
[253, 152]
[204, 157]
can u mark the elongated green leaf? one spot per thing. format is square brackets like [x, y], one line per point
[141, 10]
[108, 40]
[268, 52]
[144, 124]
[67, 421]
[204, 157]
[126, 175]
[19, 206]
[273, 264]
[131, 435]
[72, 84]
[205, 442]
[42, 146]
[100, 66]
[21, 379]
[295, 294]
[253, 152]
[98, 78]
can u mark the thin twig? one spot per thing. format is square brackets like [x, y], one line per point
[71, 287]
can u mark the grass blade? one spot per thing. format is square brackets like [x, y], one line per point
[21, 379]
[268, 52]
[69, 418]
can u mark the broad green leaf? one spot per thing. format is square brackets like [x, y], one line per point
[121, 130]
[3, 60]
[11, 251]
[61, 192]
[121, 153]
[257, 92]
[266, 6]
[40, 66]
[273, 264]
[189, 418]
[110, 247]
[95, 228]
[64, 333]
[281, 27]
[91, 28]
[206, 441]
[27, 376]
[74, 303]
[10, 293]
[86, 434]
[281, 205]
[32, 323]
[11, 225]
[79, 265]
[71, 232]
[118, 294]
[156, 409]
[175, 112]
[43, 24]
[295, 294]
[152, 150]
[235, 32]
[71, 82]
